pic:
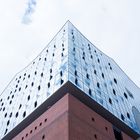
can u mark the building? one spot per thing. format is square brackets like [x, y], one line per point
[71, 90]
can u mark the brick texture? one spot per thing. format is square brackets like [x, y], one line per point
[69, 119]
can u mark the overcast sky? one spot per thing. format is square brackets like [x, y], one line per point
[26, 27]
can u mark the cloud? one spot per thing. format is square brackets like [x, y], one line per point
[31, 7]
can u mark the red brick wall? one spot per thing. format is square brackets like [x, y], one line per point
[69, 119]
[53, 124]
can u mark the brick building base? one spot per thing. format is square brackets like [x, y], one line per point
[69, 119]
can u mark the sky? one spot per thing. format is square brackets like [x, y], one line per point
[27, 26]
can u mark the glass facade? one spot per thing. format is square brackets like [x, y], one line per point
[68, 57]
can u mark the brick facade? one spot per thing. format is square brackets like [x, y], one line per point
[69, 119]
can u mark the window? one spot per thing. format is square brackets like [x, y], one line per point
[117, 133]
[76, 81]
[35, 72]
[103, 76]
[128, 115]
[98, 85]
[32, 84]
[24, 114]
[98, 60]
[125, 95]
[129, 93]
[61, 74]
[20, 106]
[95, 72]
[115, 81]
[75, 73]
[6, 131]
[43, 137]
[122, 117]
[110, 101]
[95, 136]
[8, 122]
[48, 84]
[28, 98]
[35, 104]
[90, 92]
[16, 114]
[62, 81]
[114, 92]
[42, 74]
[39, 87]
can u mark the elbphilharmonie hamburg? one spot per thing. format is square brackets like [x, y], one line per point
[70, 91]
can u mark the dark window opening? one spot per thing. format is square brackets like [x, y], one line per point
[10, 115]
[45, 59]
[95, 72]
[106, 128]
[62, 81]
[62, 54]
[28, 98]
[117, 133]
[8, 122]
[129, 93]
[98, 85]
[39, 59]
[39, 87]
[87, 75]
[50, 70]
[43, 137]
[35, 104]
[128, 115]
[32, 84]
[125, 95]
[24, 114]
[114, 92]
[26, 86]
[93, 119]
[10, 102]
[51, 77]
[4, 109]
[48, 84]
[31, 131]
[98, 60]
[95, 136]
[90, 92]
[122, 117]
[20, 89]
[20, 106]
[27, 135]
[6, 131]
[76, 81]
[29, 76]
[75, 73]
[42, 74]
[103, 75]
[5, 115]
[35, 72]
[110, 101]
[61, 73]
[115, 81]
[16, 114]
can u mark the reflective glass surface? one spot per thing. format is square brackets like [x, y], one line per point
[68, 57]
